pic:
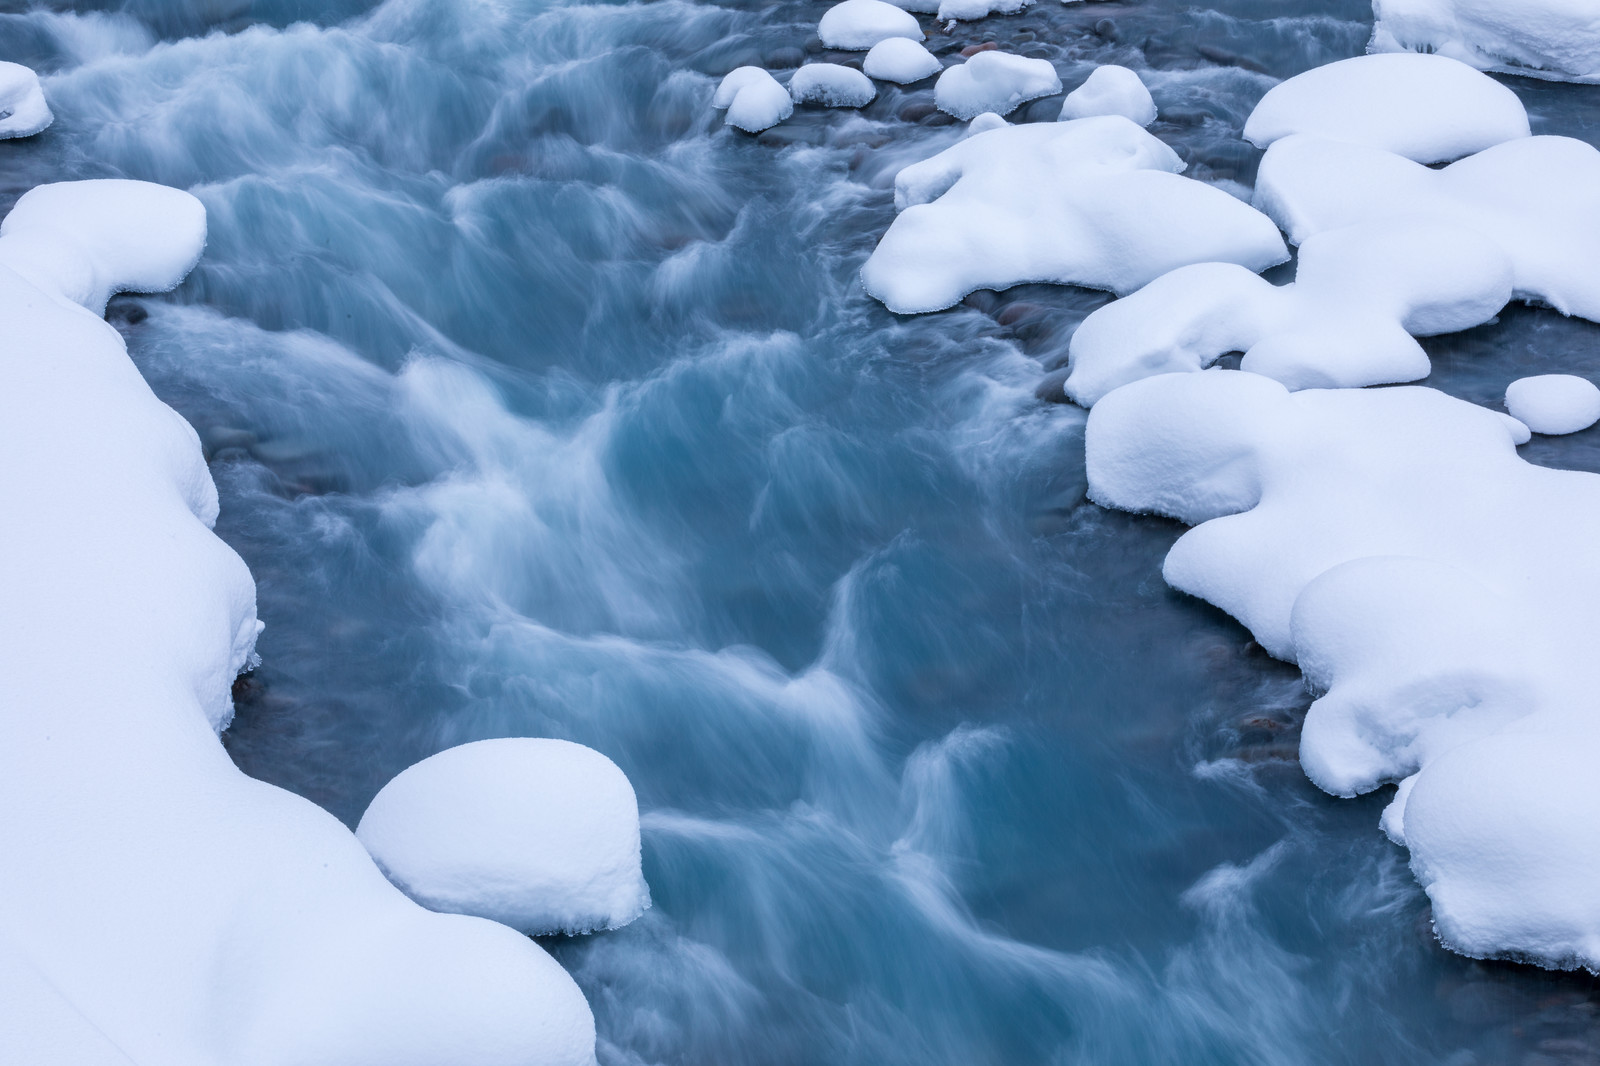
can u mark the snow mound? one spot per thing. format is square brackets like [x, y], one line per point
[1553, 39]
[1439, 592]
[82, 241]
[1554, 403]
[832, 85]
[753, 98]
[1425, 107]
[23, 111]
[1095, 202]
[1347, 320]
[1536, 198]
[900, 60]
[540, 835]
[857, 25]
[993, 81]
[1110, 90]
[970, 10]
[161, 906]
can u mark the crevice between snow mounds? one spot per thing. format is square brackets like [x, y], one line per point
[1440, 592]
[158, 905]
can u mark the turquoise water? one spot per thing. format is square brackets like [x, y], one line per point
[541, 404]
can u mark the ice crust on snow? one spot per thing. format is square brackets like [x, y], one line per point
[1536, 198]
[993, 81]
[857, 25]
[1359, 296]
[1437, 590]
[23, 110]
[540, 835]
[1428, 108]
[1554, 39]
[161, 906]
[1554, 403]
[1095, 202]
[900, 60]
[831, 85]
[753, 98]
[1110, 90]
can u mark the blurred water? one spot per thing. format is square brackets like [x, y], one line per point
[540, 404]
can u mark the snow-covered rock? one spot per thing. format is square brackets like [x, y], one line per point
[753, 98]
[1425, 107]
[832, 85]
[900, 60]
[1441, 595]
[1359, 296]
[1554, 403]
[1536, 198]
[1110, 90]
[1555, 39]
[1095, 202]
[540, 835]
[23, 111]
[159, 905]
[969, 10]
[993, 81]
[857, 25]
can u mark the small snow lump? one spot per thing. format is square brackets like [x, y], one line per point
[857, 25]
[831, 85]
[900, 60]
[754, 99]
[1110, 90]
[1554, 403]
[23, 111]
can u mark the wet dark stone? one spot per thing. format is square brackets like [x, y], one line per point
[974, 49]
[986, 300]
[1106, 30]
[1225, 58]
[814, 45]
[783, 58]
[917, 112]
[1180, 116]
[1052, 387]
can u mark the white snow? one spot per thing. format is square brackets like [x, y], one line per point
[1347, 320]
[23, 110]
[857, 25]
[968, 10]
[1425, 107]
[160, 906]
[1556, 39]
[1095, 202]
[1554, 403]
[1536, 198]
[1110, 90]
[540, 835]
[753, 98]
[832, 85]
[1438, 591]
[900, 60]
[993, 81]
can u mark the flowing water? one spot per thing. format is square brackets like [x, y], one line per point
[543, 405]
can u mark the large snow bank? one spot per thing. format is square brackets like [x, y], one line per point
[1557, 39]
[900, 60]
[23, 111]
[1110, 90]
[1440, 593]
[753, 98]
[857, 25]
[1093, 202]
[1347, 320]
[832, 85]
[159, 905]
[1554, 403]
[993, 81]
[1424, 107]
[1536, 198]
[541, 835]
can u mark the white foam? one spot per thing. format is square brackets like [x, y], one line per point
[753, 98]
[1110, 90]
[1094, 202]
[832, 85]
[1555, 39]
[23, 110]
[993, 81]
[1554, 403]
[900, 60]
[857, 25]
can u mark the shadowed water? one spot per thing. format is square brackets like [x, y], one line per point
[541, 404]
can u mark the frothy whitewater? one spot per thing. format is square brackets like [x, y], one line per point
[542, 404]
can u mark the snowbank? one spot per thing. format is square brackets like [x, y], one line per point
[1440, 593]
[541, 835]
[753, 98]
[1554, 403]
[160, 906]
[1555, 39]
[1347, 320]
[857, 25]
[1536, 198]
[23, 111]
[968, 10]
[900, 60]
[1094, 202]
[832, 85]
[1110, 90]
[993, 81]
[1425, 107]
